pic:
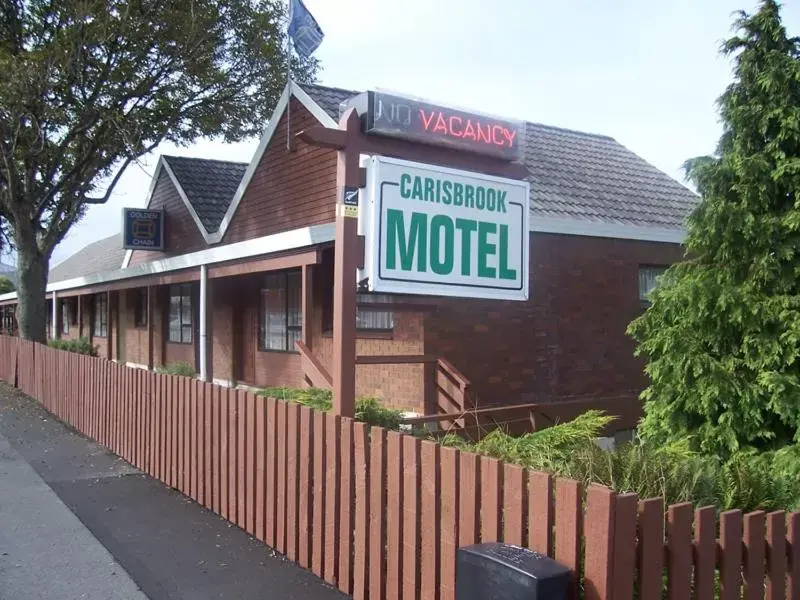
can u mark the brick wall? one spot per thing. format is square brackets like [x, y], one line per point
[569, 339]
[180, 230]
[289, 189]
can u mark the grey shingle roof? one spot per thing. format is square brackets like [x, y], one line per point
[209, 185]
[582, 176]
[103, 255]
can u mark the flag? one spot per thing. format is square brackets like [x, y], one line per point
[304, 31]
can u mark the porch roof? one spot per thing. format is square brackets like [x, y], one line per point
[176, 268]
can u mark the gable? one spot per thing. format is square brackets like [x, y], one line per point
[180, 231]
[289, 189]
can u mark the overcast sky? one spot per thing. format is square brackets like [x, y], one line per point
[646, 72]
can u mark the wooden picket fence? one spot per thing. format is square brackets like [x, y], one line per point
[381, 514]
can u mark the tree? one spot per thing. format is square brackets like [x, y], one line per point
[722, 336]
[6, 285]
[89, 86]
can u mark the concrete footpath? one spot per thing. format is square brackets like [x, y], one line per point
[77, 522]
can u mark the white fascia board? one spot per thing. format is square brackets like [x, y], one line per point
[272, 125]
[159, 165]
[278, 242]
[607, 230]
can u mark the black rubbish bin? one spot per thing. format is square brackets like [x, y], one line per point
[495, 571]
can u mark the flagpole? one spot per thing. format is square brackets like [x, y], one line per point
[289, 80]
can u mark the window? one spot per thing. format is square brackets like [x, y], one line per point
[67, 317]
[648, 279]
[369, 319]
[281, 312]
[180, 314]
[100, 321]
[140, 307]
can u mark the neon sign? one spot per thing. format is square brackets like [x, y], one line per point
[405, 118]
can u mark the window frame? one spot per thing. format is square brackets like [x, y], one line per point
[644, 301]
[140, 308]
[100, 311]
[183, 291]
[374, 298]
[292, 321]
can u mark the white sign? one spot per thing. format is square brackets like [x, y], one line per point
[444, 232]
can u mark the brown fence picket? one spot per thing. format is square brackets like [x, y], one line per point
[346, 494]
[224, 451]
[730, 539]
[568, 528]
[430, 526]
[233, 463]
[514, 504]
[410, 516]
[755, 555]
[394, 514]
[280, 481]
[793, 581]
[776, 555]
[378, 485]
[469, 507]
[360, 550]
[270, 517]
[491, 499]
[292, 477]
[448, 541]
[599, 537]
[306, 487]
[209, 444]
[241, 460]
[261, 466]
[705, 548]
[540, 513]
[624, 550]
[250, 463]
[679, 544]
[217, 439]
[650, 552]
[319, 504]
[333, 439]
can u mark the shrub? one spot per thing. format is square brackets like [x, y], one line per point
[181, 368]
[749, 480]
[368, 410]
[79, 346]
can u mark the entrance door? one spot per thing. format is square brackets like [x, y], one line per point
[245, 318]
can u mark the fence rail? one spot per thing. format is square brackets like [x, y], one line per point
[380, 514]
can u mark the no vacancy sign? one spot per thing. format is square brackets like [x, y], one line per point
[444, 232]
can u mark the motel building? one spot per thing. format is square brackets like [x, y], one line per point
[517, 290]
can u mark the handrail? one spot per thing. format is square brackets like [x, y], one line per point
[446, 366]
[312, 368]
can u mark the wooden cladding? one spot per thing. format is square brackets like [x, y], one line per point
[381, 514]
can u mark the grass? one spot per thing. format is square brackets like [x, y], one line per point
[368, 410]
[183, 369]
[79, 346]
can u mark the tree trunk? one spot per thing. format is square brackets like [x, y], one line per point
[32, 269]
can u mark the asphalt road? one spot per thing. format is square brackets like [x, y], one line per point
[78, 522]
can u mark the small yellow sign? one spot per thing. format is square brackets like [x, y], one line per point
[350, 212]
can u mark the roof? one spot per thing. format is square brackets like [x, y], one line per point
[99, 256]
[209, 185]
[580, 176]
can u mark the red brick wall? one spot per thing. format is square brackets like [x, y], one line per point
[181, 232]
[135, 338]
[179, 353]
[569, 339]
[289, 189]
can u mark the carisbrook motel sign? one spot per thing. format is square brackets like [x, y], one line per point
[444, 232]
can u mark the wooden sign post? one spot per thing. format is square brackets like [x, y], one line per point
[346, 140]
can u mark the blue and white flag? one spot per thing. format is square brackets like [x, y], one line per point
[304, 31]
